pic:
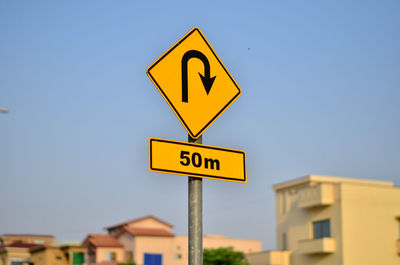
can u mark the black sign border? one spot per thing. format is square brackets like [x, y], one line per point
[151, 140]
[201, 131]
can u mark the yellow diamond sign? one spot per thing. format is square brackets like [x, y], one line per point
[194, 82]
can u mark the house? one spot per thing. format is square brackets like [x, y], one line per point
[66, 254]
[102, 248]
[15, 248]
[148, 240]
[26, 249]
[27, 238]
[328, 220]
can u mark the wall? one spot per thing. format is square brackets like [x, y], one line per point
[47, 240]
[101, 254]
[70, 249]
[174, 249]
[39, 257]
[156, 245]
[49, 256]
[150, 223]
[244, 245]
[370, 227]
[128, 241]
[296, 223]
[7, 255]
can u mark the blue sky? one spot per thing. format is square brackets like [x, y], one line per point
[320, 95]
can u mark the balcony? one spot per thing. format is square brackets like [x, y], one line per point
[273, 257]
[324, 245]
[318, 195]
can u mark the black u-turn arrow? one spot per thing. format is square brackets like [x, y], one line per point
[206, 79]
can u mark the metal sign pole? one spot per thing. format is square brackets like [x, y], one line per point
[195, 216]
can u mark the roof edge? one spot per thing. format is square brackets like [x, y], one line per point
[329, 179]
[31, 235]
[137, 220]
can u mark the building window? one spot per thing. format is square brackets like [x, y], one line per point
[322, 229]
[129, 256]
[17, 261]
[111, 256]
[284, 242]
[178, 256]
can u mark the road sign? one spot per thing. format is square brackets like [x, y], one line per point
[197, 160]
[194, 82]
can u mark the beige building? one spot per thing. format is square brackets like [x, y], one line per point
[15, 248]
[101, 248]
[336, 221]
[149, 241]
[38, 250]
[26, 238]
[15, 254]
[68, 254]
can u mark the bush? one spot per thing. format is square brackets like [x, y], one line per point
[223, 256]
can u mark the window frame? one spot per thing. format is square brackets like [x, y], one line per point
[321, 229]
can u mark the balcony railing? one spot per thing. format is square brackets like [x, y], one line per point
[324, 245]
[318, 195]
[273, 257]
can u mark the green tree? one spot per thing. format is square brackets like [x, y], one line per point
[223, 256]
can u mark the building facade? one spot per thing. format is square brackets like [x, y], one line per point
[149, 241]
[66, 254]
[27, 238]
[15, 248]
[100, 248]
[336, 221]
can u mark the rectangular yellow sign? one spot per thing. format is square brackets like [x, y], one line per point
[197, 160]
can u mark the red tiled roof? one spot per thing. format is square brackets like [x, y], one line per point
[37, 248]
[99, 240]
[137, 220]
[136, 231]
[20, 245]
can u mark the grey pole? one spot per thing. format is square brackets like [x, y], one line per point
[195, 216]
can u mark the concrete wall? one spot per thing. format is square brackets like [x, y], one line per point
[49, 256]
[70, 249]
[297, 224]
[244, 245]
[150, 223]
[364, 221]
[128, 241]
[155, 245]
[102, 251]
[34, 239]
[8, 254]
[370, 224]
[269, 258]
[174, 250]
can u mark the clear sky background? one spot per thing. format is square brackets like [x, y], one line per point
[320, 87]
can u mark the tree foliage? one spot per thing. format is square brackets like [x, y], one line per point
[223, 256]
